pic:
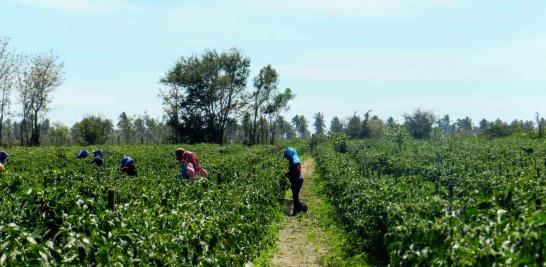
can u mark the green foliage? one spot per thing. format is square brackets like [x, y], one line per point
[53, 208]
[419, 124]
[398, 135]
[441, 203]
[205, 93]
[92, 130]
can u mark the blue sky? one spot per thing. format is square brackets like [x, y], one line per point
[483, 59]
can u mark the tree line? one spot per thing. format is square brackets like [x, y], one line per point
[206, 98]
[426, 125]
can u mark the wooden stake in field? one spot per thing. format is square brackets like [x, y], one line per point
[111, 199]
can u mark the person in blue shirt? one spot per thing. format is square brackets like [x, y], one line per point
[295, 178]
[98, 159]
[82, 154]
[127, 165]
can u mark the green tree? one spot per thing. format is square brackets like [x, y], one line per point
[497, 129]
[444, 124]
[390, 122]
[265, 85]
[376, 128]
[540, 126]
[274, 109]
[247, 129]
[464, 124]
[209, 92]
[419, 124]
[301, 126]
[365, 128]
[125, 126]
[92, 130]
[286, 129]
[319, 124]
[483, 124]
[8, 74]
[59, 135]
[354, 126]
[336, 126]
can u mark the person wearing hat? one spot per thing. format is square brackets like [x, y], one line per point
[4, 158]
[295, 178]
[127, 165]
[189, 164]
[98, 159]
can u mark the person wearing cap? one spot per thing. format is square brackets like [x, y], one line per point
[127, 165]
[82, 154]
[189, 164]
[4, 158]
[98, 159]
[295, 177]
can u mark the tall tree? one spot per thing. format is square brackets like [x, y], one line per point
[483, 124]
[265, 83]
[419, 124]
[390, 122]
[376, 128]
[8, 68]
[140, 130]
[286, 130]
[208, 89]
[125, 126]
[59, 135]
[444, 124]
[319, 123]
[336, 126]
[40, 78]
[540, 126]
[301, 126]
[464, 124]
[92, 130]
[365, 128]
[274, 108]
[247, 129]
[354, 126]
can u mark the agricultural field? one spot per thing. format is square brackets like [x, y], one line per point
[450, 202]
[54, 208]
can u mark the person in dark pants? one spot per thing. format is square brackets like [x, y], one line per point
[295, 178]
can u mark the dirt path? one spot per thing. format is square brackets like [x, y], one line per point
[301, 241]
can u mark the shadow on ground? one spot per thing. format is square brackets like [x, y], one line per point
[288, 205]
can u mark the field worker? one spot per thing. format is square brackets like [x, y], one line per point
[189, 164]
[127, 165]
[4, 157]
[82, 154]
[98, 159]
[294, 175]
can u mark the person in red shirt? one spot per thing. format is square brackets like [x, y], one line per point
[189, 164]
[295, 178]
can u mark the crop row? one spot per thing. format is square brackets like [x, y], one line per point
[53, 208]
[441, 203]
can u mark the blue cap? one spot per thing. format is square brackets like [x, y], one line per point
[126, 161]
[291, 155]
[82, 154]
